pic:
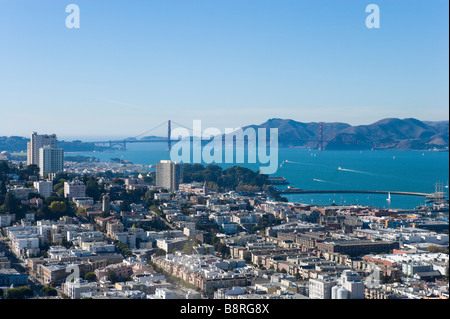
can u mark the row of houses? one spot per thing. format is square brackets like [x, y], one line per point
[205, 272]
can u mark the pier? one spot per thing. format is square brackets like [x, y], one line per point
[303, 191]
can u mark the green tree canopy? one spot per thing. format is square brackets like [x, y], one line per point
[49, 291]
[58, 208]
[90, 276]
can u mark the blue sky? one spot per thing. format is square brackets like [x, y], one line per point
[135, 64]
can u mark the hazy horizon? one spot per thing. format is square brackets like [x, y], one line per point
[92, 138]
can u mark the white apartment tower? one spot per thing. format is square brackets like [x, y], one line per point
[51, 160]
[168, 174]
[36, 142]
[42, 151]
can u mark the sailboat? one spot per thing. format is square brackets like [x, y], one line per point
[389, 197]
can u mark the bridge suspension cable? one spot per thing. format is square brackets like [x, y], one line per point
[189, 129]
[146, 132]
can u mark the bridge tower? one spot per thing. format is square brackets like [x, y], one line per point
[320, 137]
[169, 130]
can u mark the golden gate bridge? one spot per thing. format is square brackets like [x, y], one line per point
[122, 144]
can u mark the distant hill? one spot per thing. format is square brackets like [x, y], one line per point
[387, 134]
[390, 133]
[152, 137]
[19, 144]
[13, 143]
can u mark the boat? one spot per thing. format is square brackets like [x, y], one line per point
[389, 197]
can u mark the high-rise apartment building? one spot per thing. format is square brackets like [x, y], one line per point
[106, 204]
[42, 151]
[36, 142]
[169, 174]
[51, 160]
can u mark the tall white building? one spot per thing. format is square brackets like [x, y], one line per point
[320, 288]
[42, 151]
[36, 142]
[349, 286]
[78, 288]
[51, 160]
[74, 189]
[169, 174]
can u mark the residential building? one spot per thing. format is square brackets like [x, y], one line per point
[45, 188]
[114, 227]
[83, 201]
[79, 288]
[36, 142]
[357, 247]
[204, 271]
[122, 270]
[51, 160]
[349, 286]
[22, 193]
[73, 189]
[320, 288]
[171, 244]
[7, 219]
[106, 203]
[168, 174]
[11, 277]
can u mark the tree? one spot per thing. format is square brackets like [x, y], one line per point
[118, 181]
[44, 212]
[149, 198]
[160, 252]
[220, 247]
[113, 277]
[58, 208]
[59, 187]
[188, 248]
[150, 194]
[30, 170]
[90, 276]
[93, 189]
[4, 169]
[105, 214]
[12, 205]
[12, 293]
[18, 293]
[436, 249]
[125, 206]
[3, 189]
[49, 291]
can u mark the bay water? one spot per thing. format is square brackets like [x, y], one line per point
[407, 171]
